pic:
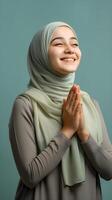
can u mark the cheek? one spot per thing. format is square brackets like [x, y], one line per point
[51, 54]
[55, 52]
[79, 54]
[52, 58]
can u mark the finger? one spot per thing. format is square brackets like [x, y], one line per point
[77, 110]
[77, 113]
[78, 90]
[72, 90]
[81, 111]
[69, 96]
[76, 101]
[71, 100]
[64, 104]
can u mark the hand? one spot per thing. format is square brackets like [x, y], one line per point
[71, 112]
[82, 132]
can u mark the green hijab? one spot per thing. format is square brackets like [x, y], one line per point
[47, 91]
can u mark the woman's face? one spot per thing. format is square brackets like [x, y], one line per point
[63, 52]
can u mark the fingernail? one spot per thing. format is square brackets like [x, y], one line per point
[78, 87]
[74, 88]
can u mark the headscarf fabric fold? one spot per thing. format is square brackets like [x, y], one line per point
[47, 91]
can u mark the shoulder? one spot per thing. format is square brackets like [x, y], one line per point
[22, 101]
[21, 111]
[22, 106]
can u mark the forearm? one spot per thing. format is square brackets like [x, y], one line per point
[41, 165]
[99, 158]
[32, 164]
[47, 160]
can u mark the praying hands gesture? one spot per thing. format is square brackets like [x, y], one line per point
[72, 115]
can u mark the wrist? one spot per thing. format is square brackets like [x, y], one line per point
[67, 132]
[83, 135]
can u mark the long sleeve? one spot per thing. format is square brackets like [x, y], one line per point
[100, 157]
[32, 166]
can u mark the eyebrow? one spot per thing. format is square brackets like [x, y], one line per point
[56, 38]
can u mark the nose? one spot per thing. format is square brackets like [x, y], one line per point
[69, 49]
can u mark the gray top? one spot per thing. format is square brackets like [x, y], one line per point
[40, 173]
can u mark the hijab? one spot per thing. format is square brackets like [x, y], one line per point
[47, 91]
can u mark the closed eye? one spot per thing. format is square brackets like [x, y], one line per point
[75, 44]
[58, 44]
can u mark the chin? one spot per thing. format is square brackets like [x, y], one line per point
[72, 69]
[68, 72]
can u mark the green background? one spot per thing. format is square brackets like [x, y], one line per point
[19, 20]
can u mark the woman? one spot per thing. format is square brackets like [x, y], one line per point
[57, 133]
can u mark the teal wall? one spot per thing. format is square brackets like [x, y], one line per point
[19, 20]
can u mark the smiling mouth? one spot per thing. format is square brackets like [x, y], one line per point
[68, 59]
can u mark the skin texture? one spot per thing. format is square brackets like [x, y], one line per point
[64, 56]
[64, 53]
[73, 118]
